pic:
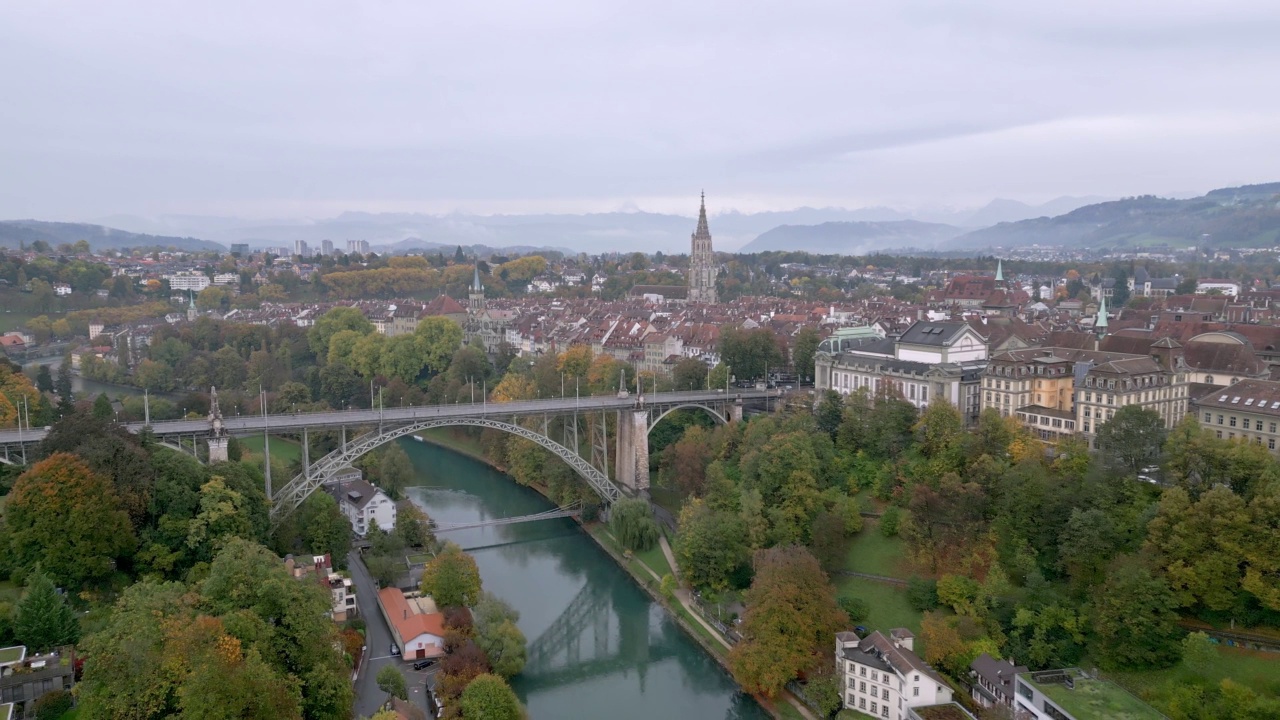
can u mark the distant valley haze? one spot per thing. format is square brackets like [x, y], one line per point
[592, 126]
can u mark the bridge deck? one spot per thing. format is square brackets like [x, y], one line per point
[251, 424]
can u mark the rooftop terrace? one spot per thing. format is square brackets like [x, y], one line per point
[1091, 699]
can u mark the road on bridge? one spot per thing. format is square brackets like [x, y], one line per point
[250, 424]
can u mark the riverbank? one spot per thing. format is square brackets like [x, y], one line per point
[647, 577]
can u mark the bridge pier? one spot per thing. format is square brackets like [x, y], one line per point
[632, 459]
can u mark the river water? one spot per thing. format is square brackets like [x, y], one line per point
[599, 647]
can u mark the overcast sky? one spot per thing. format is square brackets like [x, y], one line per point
[292, 109]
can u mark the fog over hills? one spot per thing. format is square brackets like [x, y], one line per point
[590, 232]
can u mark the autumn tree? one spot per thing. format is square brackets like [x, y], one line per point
[710, 545]
[1200, 546]
[488, 697]
[451, 578]
[67, 518]
[684, 462]
[790, 619]
[689, 374]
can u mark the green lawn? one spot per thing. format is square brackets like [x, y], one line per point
[1258, 671]
[654, 558]
[871, 552]
[71, 714]
[889, 606]
[8, 655]
[1097, 700]
[281, 448]
[14, 320]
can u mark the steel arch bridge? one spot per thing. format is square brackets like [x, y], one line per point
[289, 497]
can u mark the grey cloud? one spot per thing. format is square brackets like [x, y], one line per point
[295, 108]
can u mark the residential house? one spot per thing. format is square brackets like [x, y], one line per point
[883, 677]
[365, 505]
[416, 625]
[993, 680]
[26, 678]
[340, 588]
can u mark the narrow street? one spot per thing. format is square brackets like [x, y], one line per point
[369, 699]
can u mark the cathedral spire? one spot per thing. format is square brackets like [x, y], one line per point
[999, 270]
[702, 268]
[703, 230]
[1100, 324]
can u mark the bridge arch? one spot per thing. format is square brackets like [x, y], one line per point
[719, 417]
[292, 495]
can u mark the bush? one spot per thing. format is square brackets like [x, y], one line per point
[922, 594]
[53, 705]
[890, 521]
[632, 523]
[856, 608]
[668, 587]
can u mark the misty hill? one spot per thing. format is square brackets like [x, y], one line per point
[15, 232]
[853, 238]
[591, 232]
[1002, 210]
[1228, 217]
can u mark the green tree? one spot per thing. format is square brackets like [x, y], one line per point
[332, 322]
[1199, 654]
[44, 379]
[632, 523]
[223, 513]
[791, 617]
[44, 620]
[1200, 546]
[451, 578]
[719, 376]
[498, 635]
[1132, 438]
[66, 398]
[1135, 618]
[805, 347]
[68, 518]
[395, 471]
[1087, 544]
[689, 374]
[710, 545]
[391, 681]
[488, 697]
[439, 338]
[102, 407]
[830, 413]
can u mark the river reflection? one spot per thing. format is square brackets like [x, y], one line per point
[598, 646]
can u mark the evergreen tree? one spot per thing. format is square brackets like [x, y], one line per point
[44, 619]
[458, 257]
[102, 407]
[44, 379]
[66, 398]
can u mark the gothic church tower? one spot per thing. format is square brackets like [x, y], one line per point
[702, 265]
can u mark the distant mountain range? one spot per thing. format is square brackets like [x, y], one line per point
[13, 233]
[854, 238]
[1230, 217]
[1248, 215]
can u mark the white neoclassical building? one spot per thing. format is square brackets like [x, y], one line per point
[883, 677]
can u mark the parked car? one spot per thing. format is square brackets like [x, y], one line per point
[424, 664]
[394, 650]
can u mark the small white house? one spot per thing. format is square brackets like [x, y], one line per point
[1217, 286]
[364, 505]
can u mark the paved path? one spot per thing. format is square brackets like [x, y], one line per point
[686, 599]
[369, 698]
